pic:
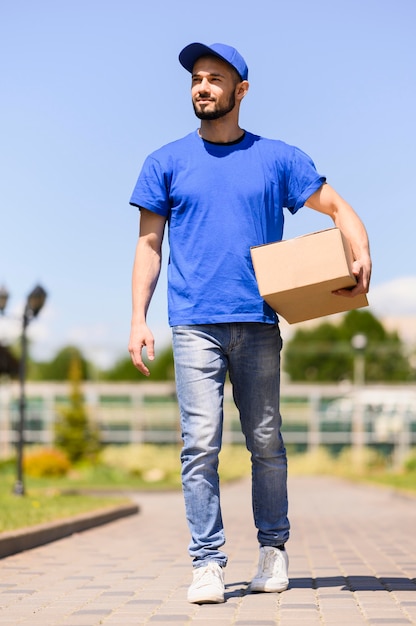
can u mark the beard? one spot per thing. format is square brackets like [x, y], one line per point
[218, 112]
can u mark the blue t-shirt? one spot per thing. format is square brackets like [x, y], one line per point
[219, 200]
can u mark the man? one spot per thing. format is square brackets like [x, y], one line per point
[222, 190]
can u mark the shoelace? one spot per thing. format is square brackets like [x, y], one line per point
[207, 575]
[271, 562]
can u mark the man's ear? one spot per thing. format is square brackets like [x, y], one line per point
[241, 89]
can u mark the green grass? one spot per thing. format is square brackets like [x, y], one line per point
[38, 507]
[121, 469]
[45, 501]
[400, 481]
[89, 487]
[370, 467]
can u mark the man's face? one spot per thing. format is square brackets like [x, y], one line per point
[213, 88]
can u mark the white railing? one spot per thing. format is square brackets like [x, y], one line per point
[313, 415]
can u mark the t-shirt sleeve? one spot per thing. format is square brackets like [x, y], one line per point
[151, 190]
[303, 180]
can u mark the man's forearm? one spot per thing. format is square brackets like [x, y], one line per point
[146, 270]
[327, 200]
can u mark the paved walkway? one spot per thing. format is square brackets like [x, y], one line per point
[352, 562]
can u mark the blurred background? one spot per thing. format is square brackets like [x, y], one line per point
[90, 87]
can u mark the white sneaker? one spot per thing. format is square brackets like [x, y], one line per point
[272, 573]
[208, 584]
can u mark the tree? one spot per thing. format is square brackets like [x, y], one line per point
[73, 431]
[325, 353]
[122, 371]
[58, 368]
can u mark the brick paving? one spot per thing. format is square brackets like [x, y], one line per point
[352, 561]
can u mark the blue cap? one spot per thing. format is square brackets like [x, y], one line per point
[230, 55]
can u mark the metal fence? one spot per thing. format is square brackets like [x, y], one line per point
[383, 417]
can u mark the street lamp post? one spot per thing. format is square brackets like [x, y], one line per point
[359, 344]
[34, 303]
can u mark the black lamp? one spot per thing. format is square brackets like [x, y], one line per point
[34, 303]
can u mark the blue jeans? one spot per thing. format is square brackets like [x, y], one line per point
[250, 352]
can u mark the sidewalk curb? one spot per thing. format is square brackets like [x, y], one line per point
[34, 536]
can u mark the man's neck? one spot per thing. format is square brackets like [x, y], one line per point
[218, 132]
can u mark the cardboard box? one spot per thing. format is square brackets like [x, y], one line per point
[296, 277]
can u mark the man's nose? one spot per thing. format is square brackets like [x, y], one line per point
[204, 86]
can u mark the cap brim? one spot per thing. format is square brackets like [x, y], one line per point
[193, 52]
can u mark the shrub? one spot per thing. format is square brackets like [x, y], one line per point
[150, 462]
[46, 462]
[74, 433]
[410, 463]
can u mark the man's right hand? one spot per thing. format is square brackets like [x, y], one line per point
[141, 337]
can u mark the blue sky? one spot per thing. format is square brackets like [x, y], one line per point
[90, 87]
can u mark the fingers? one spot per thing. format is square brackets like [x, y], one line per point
[136, 354]
[362, 274]
[150, 348]
[348, 293]
[136, 357]
[362, 270]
